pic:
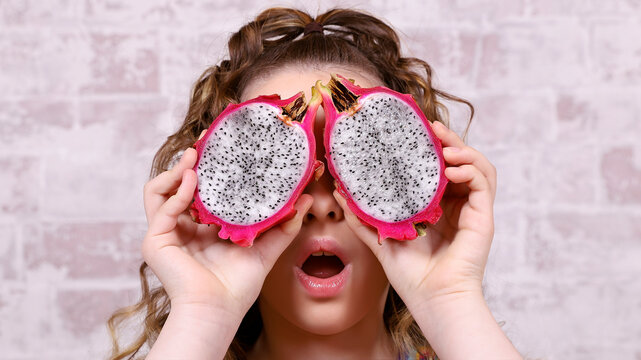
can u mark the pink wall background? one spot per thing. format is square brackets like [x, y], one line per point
[89, 90]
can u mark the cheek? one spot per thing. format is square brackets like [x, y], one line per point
[279, 280]
[370, 278]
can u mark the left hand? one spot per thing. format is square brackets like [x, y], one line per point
[450, 260]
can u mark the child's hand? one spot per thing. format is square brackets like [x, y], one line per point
[449, 261]
[196, 268]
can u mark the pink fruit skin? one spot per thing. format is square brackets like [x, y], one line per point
[244, 235]
[402, 230]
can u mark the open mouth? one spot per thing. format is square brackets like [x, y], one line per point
[322, 264]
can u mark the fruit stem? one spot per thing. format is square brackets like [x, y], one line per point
[421, 229]
[294, 111]
[344, 100]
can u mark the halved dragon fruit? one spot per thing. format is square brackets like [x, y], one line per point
[254, 162]
[384, 156]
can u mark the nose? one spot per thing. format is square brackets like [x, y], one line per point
[324, 208]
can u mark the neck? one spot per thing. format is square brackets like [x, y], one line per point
[280, 339]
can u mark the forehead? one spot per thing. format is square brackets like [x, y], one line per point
[292, 79]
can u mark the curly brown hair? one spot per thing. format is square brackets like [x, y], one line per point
[276, 38]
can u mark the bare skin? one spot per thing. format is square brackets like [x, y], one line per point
[212, 283]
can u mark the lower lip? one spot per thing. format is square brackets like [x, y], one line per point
[323, 288]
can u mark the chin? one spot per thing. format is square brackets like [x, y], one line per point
[328, 318]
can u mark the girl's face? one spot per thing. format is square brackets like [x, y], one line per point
[295, 292]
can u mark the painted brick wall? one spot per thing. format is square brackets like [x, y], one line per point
[90, 89]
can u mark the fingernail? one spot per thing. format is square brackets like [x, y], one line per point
[438, 123]
[202, 133]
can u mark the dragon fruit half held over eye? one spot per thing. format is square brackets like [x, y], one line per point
[253, 163]
[384, 156]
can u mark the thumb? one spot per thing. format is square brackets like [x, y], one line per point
[274, 241]
[366, 233]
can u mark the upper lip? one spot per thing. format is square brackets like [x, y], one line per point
[324, 243]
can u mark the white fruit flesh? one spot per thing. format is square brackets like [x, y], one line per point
[385, 158]
[251, 165]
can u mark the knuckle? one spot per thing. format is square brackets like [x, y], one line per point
[469, 167]
[471, 150]
[146, 189]
[151, 186]
[473, 153]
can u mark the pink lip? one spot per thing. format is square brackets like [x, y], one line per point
[323, 288]
[318, 287]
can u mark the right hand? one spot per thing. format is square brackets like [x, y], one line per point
[195, 267]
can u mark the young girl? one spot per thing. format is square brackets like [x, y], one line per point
[401, 300]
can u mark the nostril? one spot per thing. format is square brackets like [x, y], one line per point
[310, 217]
[331, 215]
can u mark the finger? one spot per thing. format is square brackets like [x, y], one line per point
[160, 239]
[274, 241]
[158, 189]
[480, 197]
[165, 219]
[367, 234]
[468, 155]
[447, 136]
[202, 133]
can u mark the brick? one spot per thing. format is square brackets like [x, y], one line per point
[583, 246]
[614, 7]
[82, 312]
[450, 53]
[506, 253]
[541, 8]
[505, 120]
[89, 185]
[108, 127]
[621, 172]
[565, 174]
[616, 52]
[25, 313]
[186, 57]
[122, 12]
[29, 125]
[446, 13]
[554, 174]
[537, 56]
[20, 192]
[420, 13]
[41, 63]
[575, 117]
[122, 63]
[459, 117]
[39, 322]
[482, 9]
[84, 251]
[130, 127]
[538, 313]
[21, 13]
[222, 15]
[582, 8]
[582, 116]
[9, 261]
[599, 314]
[623, 306]
[514, 174]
